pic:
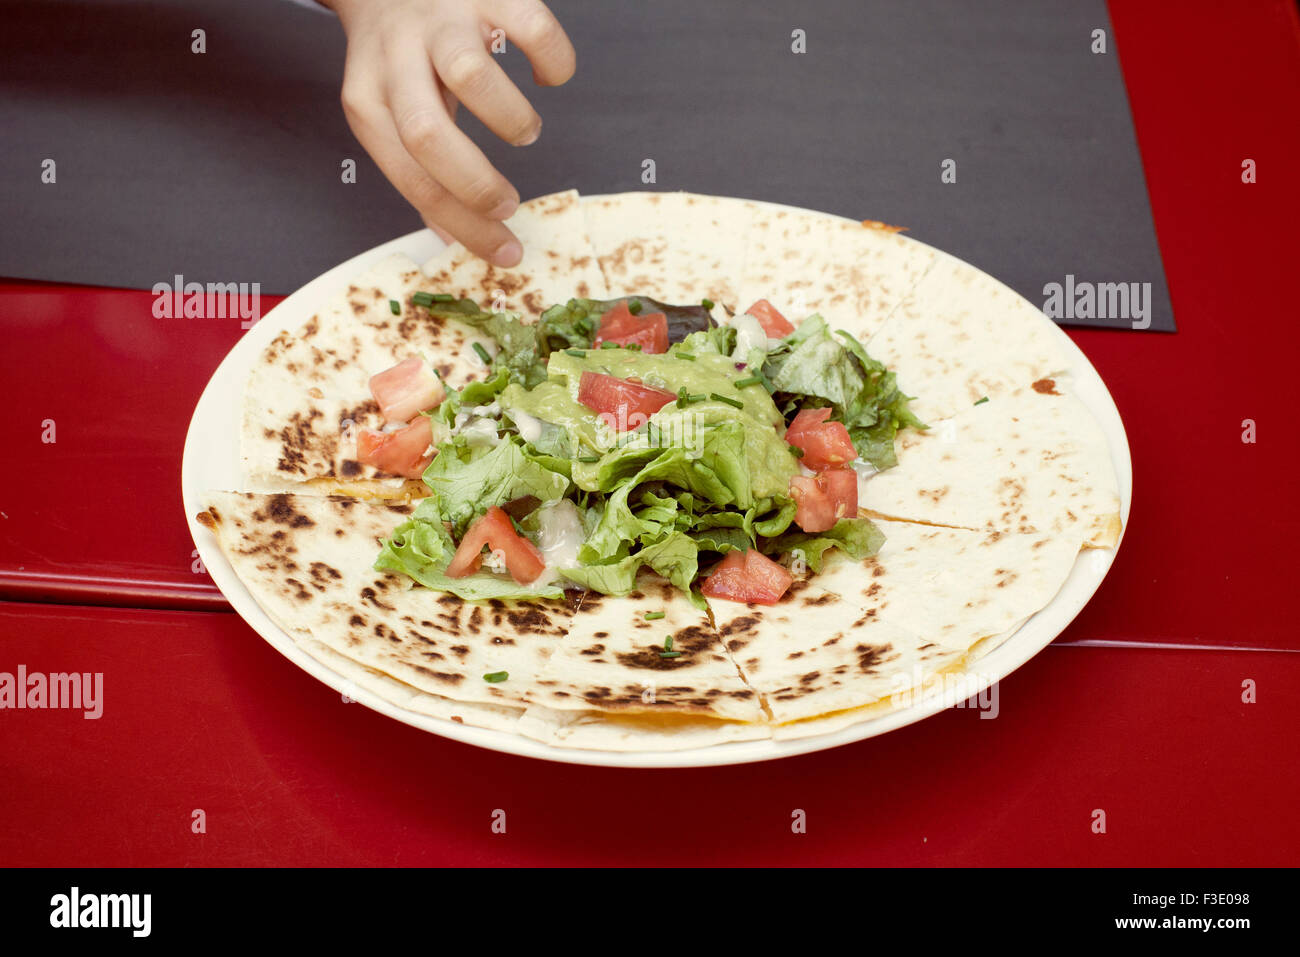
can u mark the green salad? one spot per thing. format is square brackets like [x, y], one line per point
[611, 436]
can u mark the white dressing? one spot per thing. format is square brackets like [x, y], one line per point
[559, 536]
[530, 427]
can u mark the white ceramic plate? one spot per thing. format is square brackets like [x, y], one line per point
[211, 461]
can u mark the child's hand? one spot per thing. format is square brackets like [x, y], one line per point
[409, 63]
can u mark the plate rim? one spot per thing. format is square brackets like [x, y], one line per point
[1086, 575]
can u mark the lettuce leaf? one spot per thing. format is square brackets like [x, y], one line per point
[837, 371]
[857, 537]
[468, 482]
[675, 557]
[421, 548]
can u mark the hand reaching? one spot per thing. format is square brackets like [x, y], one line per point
[409, 64]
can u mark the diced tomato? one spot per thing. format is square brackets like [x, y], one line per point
[774, 324]
[842, 487]
[822, 500]
[748, 576]
[405, 389]
[649, 330]
[495, 530]
[403, 452]
[826, 445]
[621, 403]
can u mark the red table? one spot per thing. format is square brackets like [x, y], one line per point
[200, 714]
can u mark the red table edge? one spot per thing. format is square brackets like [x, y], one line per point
[41, 587]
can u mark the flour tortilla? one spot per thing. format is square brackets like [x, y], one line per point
[1031, 463]
[678, 248]
[615, 659]
[881, 628]
[953, 587]
[558, 263]
[358, 677]
[309, 391]
[815, 652]
[953, 682]
[960, 336]
[804, 262]
[307, 561]
[1024, 480]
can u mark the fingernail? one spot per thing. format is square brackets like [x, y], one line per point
[504, 209]
[508, 253]
[531, 138]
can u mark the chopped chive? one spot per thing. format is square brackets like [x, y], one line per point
[482, 353]
[734, 403]
[588, 458]
[395, 307]
[654, 616]
[748, 380]
[982, 401]
[767, 383]
[685, 355]
[670, 654]
[796, 451]
[609, 345]
[443, 297]
[422, 298]
[706, 303]
[634, 306]
[696, 397]
[668, 642]
[576, 353]
[496, 676]
[682, 397]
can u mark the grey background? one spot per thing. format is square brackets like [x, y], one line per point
[226, 166]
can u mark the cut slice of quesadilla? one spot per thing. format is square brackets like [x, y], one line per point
[359, 678]
[953, 587]
[649, 651]
[962, 337]
[1028, 463]
[307, 560]
[815, 652]
[813, 263]
[677, 247]
[308, 395]
[866, 636]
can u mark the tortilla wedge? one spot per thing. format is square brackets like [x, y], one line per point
[805, 262]
[961, 336]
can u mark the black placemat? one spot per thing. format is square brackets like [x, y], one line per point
[225, 166]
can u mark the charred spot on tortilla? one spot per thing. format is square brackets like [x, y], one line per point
[869, 656]
[688, 644]
[280, 509]
[1046, 387]
[448, 677]
[207, 518]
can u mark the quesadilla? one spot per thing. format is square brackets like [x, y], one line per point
[635, 506]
